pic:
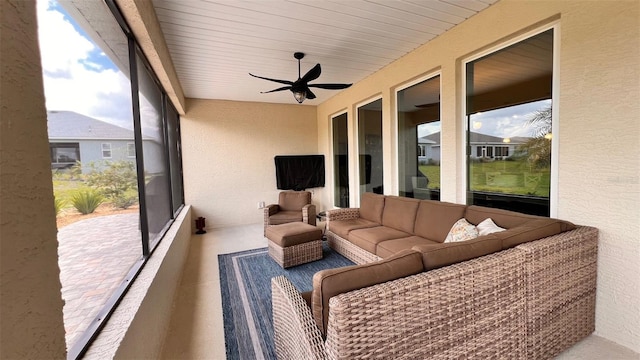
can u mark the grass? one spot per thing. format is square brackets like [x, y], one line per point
[64, 190]
[507, 177]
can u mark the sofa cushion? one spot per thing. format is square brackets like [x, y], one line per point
[460, 231]
[293, 200]
[332, 282]
[368, 239]
[400, 213]
[284, 217]
[435, 218]
[533, 230]
[388, 248]
[343, 227]
[487, 226]
[371, 206]
[439, 255]
[503, 218]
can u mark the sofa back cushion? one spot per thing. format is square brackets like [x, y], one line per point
[435, 218]
[332, 282]
[371, 206]
[293, 200]
[533, 230]
[503, 218]
[400, 213]
[438, 255]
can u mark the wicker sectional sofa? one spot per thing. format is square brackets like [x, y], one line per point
[527, 292]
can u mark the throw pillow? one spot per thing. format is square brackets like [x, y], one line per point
[460, 231]
[487, 226]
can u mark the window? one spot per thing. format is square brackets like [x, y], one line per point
[340, 161]
[106, 150]
[131, 150]
[419, 140]
[64, 155]
[509, 122]
[370, 147]
[502, 151]
[120, 116]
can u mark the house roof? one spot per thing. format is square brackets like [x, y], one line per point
[476, 138]
[69, 125]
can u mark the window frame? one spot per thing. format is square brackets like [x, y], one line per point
[464, 147]
[108, 149]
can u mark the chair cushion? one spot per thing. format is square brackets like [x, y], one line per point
[293, 200]
[435, 218]
[371, 206]
[389, 248]
[369, 238]
[294, 233]
[332, 282]
[284, 217]
[343, 227]
[400, 213]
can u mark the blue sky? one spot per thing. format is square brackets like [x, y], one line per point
[78, 76]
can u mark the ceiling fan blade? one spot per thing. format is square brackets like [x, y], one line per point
[278, 89]
[330, 86]
[312, 74]
[310, 94]
[274, 80]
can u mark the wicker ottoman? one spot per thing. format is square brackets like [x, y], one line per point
[294, 243]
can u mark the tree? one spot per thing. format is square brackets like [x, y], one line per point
[538, 148]
[117, 182]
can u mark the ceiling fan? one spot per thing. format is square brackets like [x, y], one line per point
[300, 87]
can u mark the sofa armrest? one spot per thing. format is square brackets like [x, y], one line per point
[561, 273]
[271, 209]
[309, 214]
[296, 334]
[342, 214]
[476, 307]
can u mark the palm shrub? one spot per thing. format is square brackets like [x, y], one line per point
[87, 201]
[59, 204]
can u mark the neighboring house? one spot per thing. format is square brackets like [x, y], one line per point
[75, 137]
[482, 146]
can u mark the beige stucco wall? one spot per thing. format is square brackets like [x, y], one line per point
[599, 133]
[228, 149]
[31, 321]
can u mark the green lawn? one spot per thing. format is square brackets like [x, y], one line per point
[64, 190]
[508, 177]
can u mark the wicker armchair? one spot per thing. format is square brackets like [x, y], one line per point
[292, 206]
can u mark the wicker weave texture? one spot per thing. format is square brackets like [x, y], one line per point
[297, 254]
[561, 275]
[296, 334]
[349, 250]
[341, 214]
[472, 309]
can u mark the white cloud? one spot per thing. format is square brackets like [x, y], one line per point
[73, 80]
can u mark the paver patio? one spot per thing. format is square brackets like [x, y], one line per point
[94, 256]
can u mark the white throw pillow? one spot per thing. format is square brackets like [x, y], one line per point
[460, 231]
[487, 226]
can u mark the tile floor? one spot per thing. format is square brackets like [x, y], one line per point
[196, 330]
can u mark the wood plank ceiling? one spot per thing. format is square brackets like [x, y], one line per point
[216, 44]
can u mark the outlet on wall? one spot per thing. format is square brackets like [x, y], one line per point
[261, 205]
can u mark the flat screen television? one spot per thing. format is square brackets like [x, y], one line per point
[299, 172]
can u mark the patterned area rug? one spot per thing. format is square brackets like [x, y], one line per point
[245, 281]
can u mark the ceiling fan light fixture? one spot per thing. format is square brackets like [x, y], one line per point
[300, 96]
